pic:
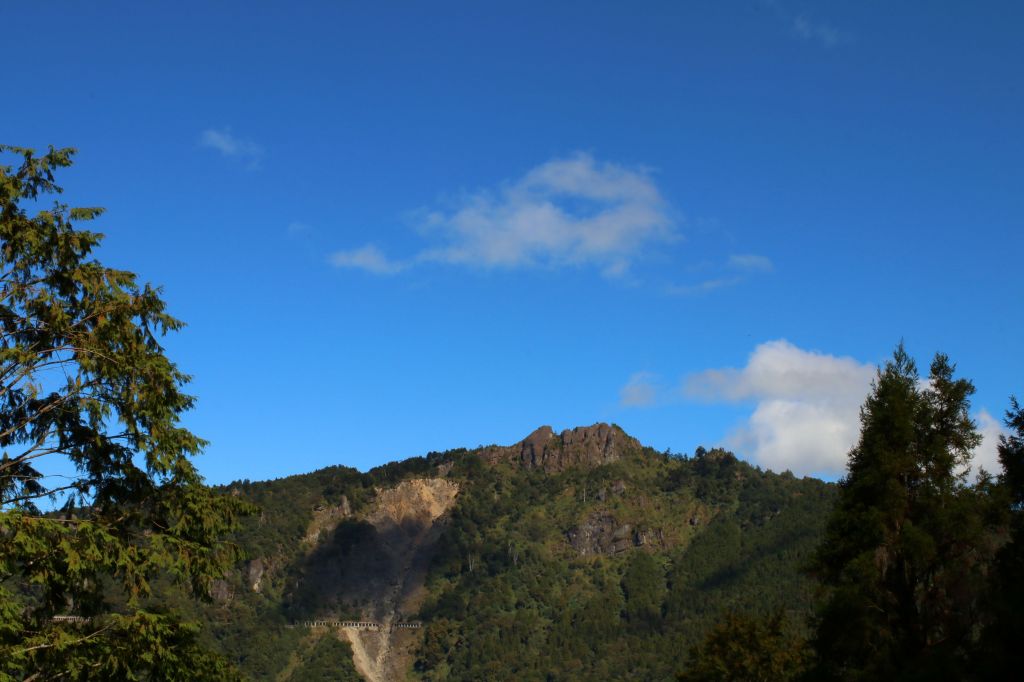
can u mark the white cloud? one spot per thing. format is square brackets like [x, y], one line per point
[986, 456]
[778, 369]
[368, 258]
[231, 146]
[803, 437]
[808, 406]
[807, 413]
[818, 31]
[640, 391]
[574, 211]
[751, 262]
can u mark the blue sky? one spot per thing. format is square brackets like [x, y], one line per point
[402, 227]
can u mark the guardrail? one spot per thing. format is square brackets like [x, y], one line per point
[356, 624]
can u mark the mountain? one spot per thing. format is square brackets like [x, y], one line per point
[577, 555]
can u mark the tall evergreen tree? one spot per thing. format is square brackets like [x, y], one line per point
[900, 558]
[89, 424]
[1001, 655]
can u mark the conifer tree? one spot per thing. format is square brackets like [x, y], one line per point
[98, 494]
[1001, 655]
[900, 558]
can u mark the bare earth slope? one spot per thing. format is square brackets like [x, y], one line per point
[406, 522]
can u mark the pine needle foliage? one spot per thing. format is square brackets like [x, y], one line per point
[98, 493]
[1000, 655]
[903, 557]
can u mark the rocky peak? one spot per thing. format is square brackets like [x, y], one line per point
[583, 446]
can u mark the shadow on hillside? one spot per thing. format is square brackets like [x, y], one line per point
[739, 569]
[355, 573]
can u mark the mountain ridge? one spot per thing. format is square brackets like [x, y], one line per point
[545, 558]
[586, 446]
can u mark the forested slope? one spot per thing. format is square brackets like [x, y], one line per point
[580, 555]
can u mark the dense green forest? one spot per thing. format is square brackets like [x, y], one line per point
[513, 590]
[720, 535]
[587, 556]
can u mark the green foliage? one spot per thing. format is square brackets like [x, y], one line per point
[87, 393]
[553, 614]
[507, 594]
[138, 646]
[1000, 655]
[905, 548]
[329, 661]
[287, 504]
[723, 543]
[744, 649]
[643, 584]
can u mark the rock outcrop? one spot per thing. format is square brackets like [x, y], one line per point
[601, 533]
[254, 571]
[413, 505]
[221, 592]
[584, 446]
[326, 519]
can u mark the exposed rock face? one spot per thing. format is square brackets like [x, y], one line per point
[326, 519]
[254, 571]
[414, 504]
[654, 537]
[221, 591]
[601, 533]
[584, 446]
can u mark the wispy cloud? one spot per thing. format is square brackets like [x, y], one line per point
[229, 145]
[641, 390]
[368, 258]
[703, 287]
[574, 211]
[750, 262]
[746, 265]
[818, 31]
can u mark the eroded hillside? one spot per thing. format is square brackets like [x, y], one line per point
[574, 555]
[405, 519]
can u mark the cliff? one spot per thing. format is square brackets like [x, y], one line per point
[583, 447]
